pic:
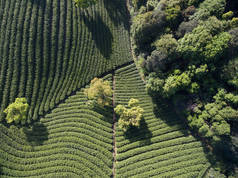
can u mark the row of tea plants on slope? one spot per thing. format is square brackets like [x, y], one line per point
[187, 50]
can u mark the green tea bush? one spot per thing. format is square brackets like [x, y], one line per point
[71, 139]
[72, 40]
[160, 141]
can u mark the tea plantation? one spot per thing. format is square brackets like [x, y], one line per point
[71, 141]
[50, 48]
[161, 147]
[49, 52]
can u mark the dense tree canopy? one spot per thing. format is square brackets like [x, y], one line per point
[189, 48]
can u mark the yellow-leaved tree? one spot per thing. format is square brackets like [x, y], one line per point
[130, 116]
[17, 111]
[99, 93]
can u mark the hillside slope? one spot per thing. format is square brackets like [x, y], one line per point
[162, 147]
[76, 141]
[50, 48]
[71, 141]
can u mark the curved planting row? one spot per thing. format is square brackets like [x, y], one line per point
[71, 141]
[50, 48]
[161, 147]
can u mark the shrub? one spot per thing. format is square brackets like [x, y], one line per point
[17, 111]
[99, 92]
[129, 117]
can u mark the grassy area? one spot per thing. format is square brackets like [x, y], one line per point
[162, 147]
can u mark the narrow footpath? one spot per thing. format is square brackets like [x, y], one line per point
[114, 126]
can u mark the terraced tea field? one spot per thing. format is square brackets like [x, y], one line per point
[162, 147]
[50, 48]
[72, 141]
[76, 141]
[49, 52]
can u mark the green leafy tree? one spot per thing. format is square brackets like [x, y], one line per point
[211, 120]
[84, 3]
[99, 92]
[144, 27]
[168, 45]
[209, 8]
[17, 111]
[206, 42]
[129, 117]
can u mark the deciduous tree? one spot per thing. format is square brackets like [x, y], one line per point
[129, 117]
[99, 92]
[17, 111]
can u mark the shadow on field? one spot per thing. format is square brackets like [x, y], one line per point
[118, 12]
[164, 110]
[106, 112]
[142, 134]
[223, 155]
[101, 33]
[40, 3]
[37, 134]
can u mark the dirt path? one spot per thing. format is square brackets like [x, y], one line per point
[114, 126]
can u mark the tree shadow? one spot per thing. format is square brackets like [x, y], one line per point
[36, 134]
[232, 5]
[106, 112]
[164, 110]
[40, 3]
[222, 154]
[118, 12]
[142, 134]
[101, 33]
